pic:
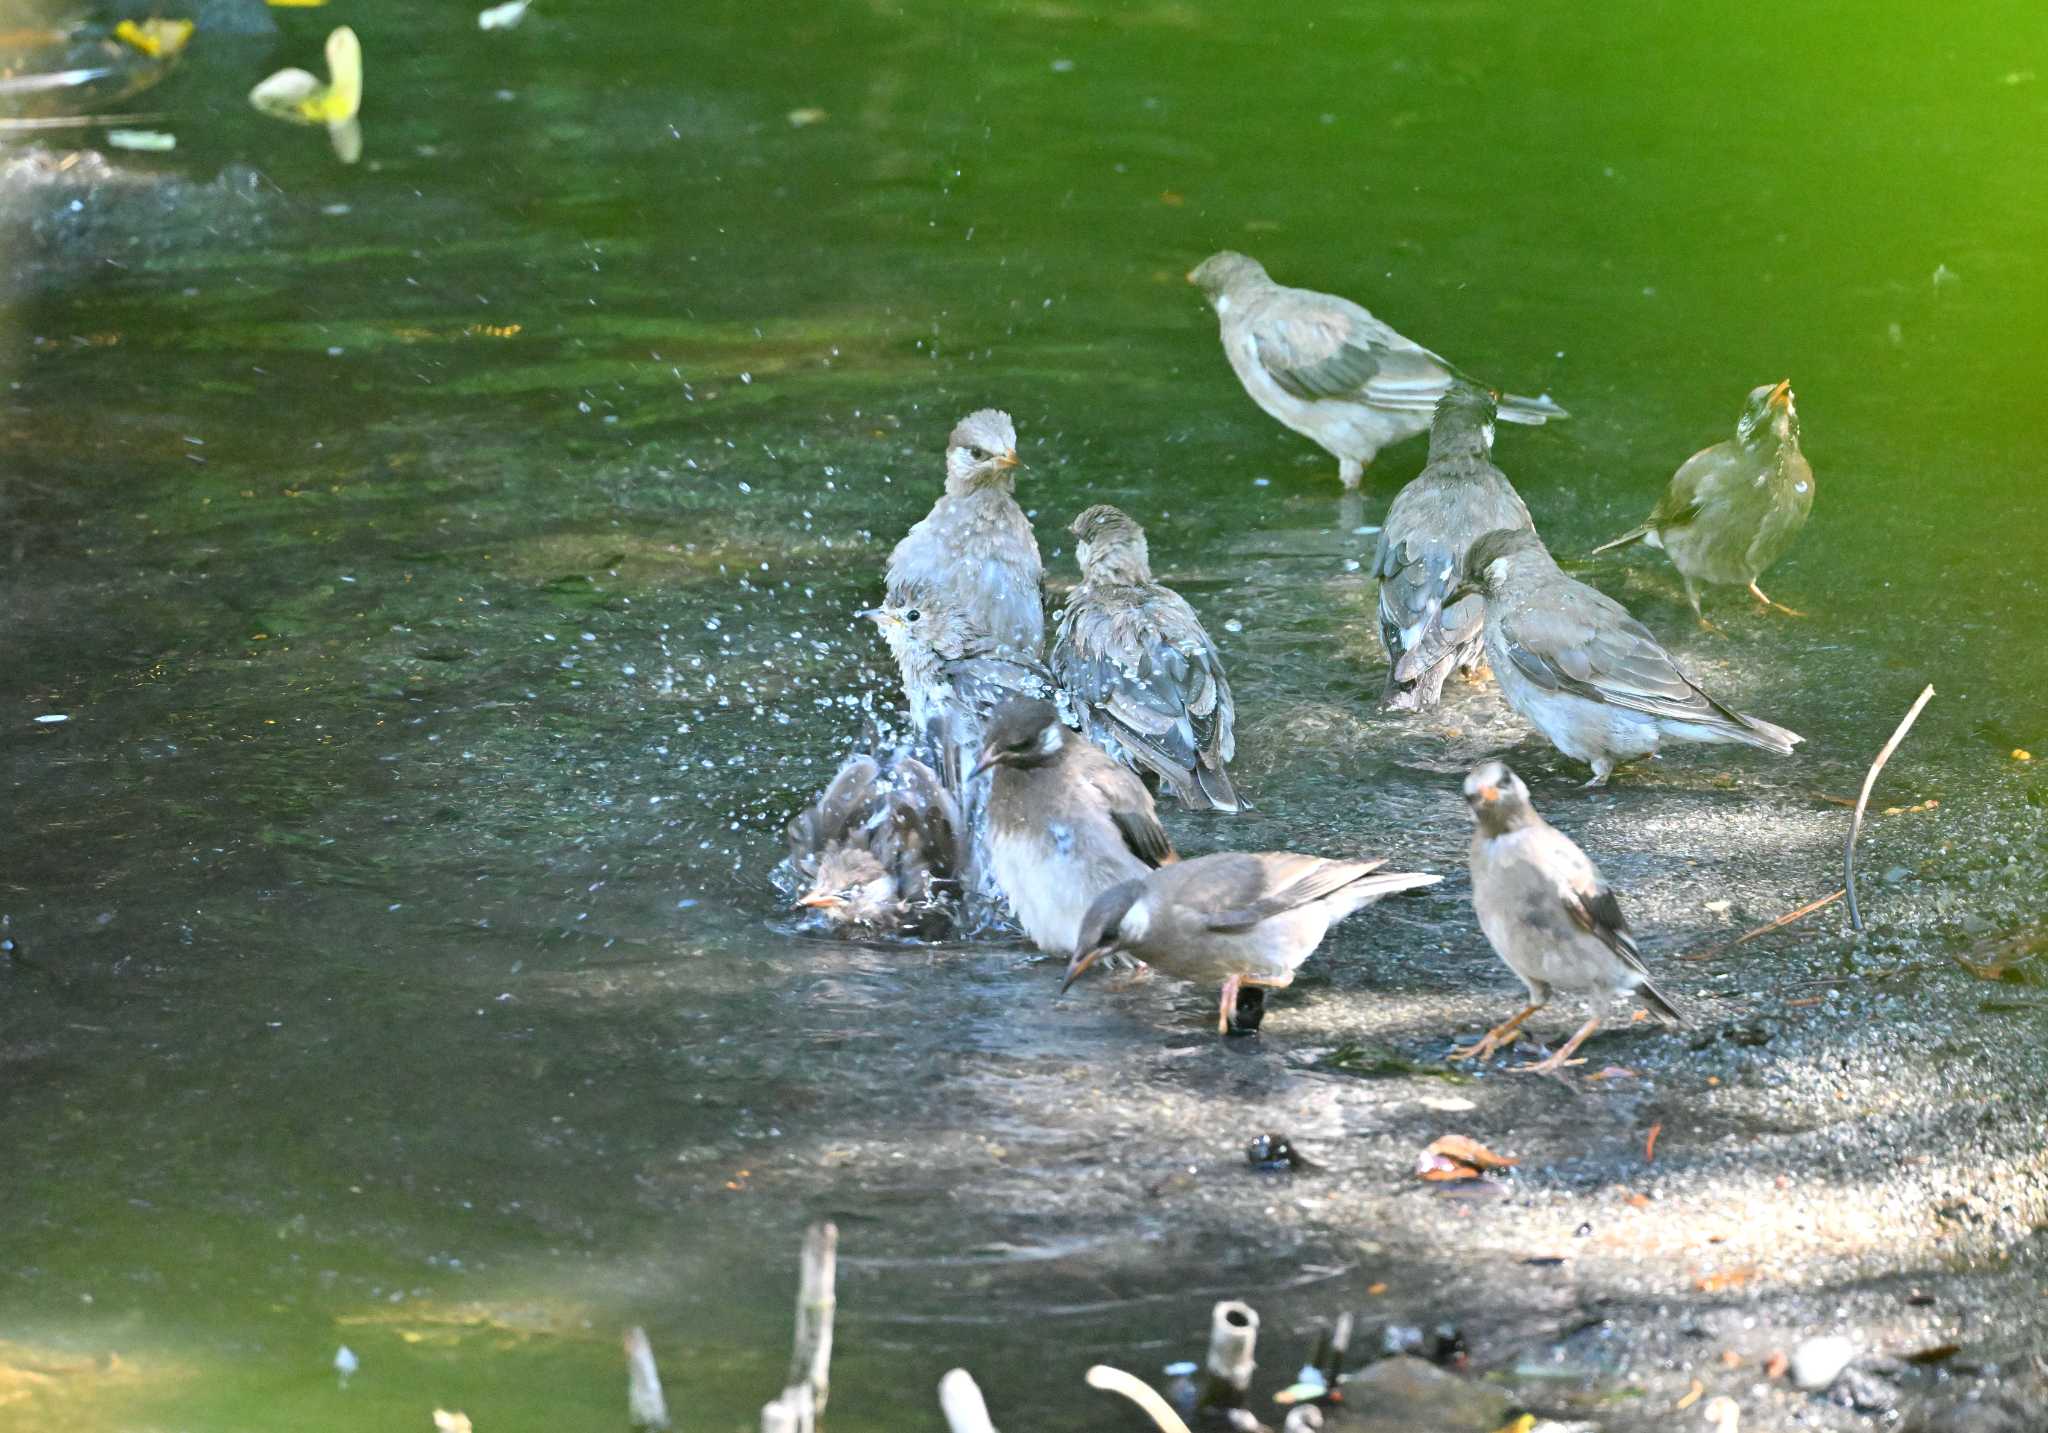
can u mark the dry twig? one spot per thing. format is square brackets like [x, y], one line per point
[1863, 800]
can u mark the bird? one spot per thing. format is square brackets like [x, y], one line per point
[954, 678]
[1584, 672]
[1328, 369]
[1237, 918]
[975, 549]
[1065, 821]
[1142, 673]
[1549, 914]
[1731, 510]
[880, 849]
[1421, 554]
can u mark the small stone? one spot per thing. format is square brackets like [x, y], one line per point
[1818, 1362]
[1404, 1393]
[1895, 875]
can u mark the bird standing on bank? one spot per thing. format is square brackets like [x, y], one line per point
[1548, 914]
[1065, 821]
[1584, 672]
[974, 549]
[1140, 669]
[1235, 918]
[880, 849]
[1732, 510]
[1432, 523]
[1328, 369]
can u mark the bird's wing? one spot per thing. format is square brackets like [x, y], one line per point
[1586, 897]
[924, 820]
[1288, 881]
[1130, 807]
[1567, 637]
[1149, 670]
[844, 804]
[1421, 559]
[1320, 346]
[1699, 483]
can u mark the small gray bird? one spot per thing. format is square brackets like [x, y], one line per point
[880, 849]
[1432, 523]
[1582, 671]
[1065, 821]
[1145, 677]
[1548, 914]
[1733, 509]
[974, 549]
[1328, 369]
[1236, 918]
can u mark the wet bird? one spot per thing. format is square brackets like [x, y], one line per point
[1235, 918]
[974, 549]
[1548, 914]
[1584, 672]
[1432, 523]
[1145, 677]
[955, 677]
[1733, 509]
[1328, 369]
[1065, 821]
[880, 849]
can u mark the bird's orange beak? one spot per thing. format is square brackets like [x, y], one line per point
[821, 901]
[1489, 794]
[989, 757]
[1781, 396]
[1081, 962]
[1006, 461]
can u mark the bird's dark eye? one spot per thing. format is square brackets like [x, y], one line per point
[912, 615]
[978, 455]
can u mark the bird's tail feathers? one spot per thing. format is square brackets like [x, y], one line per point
[1755, 731]
[1516, 408]
[1378, 885]
[1213, 791]
[1634, 534]
[1658, 1004]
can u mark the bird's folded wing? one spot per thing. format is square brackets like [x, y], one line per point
[1130, 806]
[1580, 642]
[1691, 488]
[1127, 670]
[1587, 899]
[1319, 347]
[1291, 882]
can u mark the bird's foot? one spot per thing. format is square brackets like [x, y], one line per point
[1350, 472]
[1770, 606]
[1599, 779]
[1550, 1066]
[1707, 624]
[1484, 1048]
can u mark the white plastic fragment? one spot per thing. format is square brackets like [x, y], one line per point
[503, 17]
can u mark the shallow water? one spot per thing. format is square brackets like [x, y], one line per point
[446, 566]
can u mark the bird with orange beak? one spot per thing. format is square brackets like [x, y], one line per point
[1236, 918]
[880, 850]
[1732, 510]
[1548, 914]
[974, 550]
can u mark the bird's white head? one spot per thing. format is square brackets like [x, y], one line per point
[982, 452]
[1497, 797]
[852, 888]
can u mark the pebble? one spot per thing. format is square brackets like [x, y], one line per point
[1818, 1362]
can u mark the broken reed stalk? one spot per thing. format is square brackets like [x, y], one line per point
[644, 1404]
[961, 1401]
[1233, 1341]
[1863, 800]
[1115, 1380]
[30, 124]
[802, 1401]
[1768, 926]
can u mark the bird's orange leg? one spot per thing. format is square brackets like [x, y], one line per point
[1229, 1006]
[1770, 606]
[1505, 1033]
[1563, 1057]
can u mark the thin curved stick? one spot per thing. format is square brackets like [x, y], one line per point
[1863, 800]
[1115, 1380]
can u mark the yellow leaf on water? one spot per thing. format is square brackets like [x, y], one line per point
[158, 39]
[293, 4]
[2020, 753]
[1520, 1425]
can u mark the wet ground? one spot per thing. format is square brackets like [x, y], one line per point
[444, 569]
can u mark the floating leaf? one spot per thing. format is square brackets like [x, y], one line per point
[158, 39]
[299, 98]
[1457, 1156]
[503, 17]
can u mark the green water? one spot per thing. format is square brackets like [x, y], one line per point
[446, 565]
